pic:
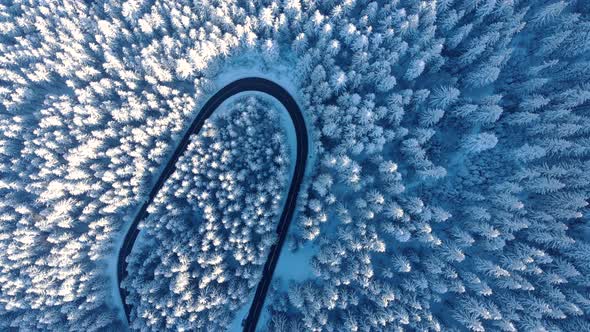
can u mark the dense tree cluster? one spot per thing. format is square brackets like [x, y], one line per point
[210, 228]
[451, 144]
[455, 198]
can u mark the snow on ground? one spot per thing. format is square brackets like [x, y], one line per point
[293, 266]
[113, 259]
[236, 324]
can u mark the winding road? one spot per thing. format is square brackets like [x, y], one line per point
[241, 85]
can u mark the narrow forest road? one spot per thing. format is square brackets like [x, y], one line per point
[241, 85]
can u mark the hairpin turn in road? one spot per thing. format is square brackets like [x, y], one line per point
[242, 85]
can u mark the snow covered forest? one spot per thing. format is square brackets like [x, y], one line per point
[210, 228]
[449, 186]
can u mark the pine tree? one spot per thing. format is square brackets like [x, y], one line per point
[477, 143]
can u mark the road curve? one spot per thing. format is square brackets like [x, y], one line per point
[241, 85]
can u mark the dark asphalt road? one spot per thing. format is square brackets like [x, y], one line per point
[241, 85]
